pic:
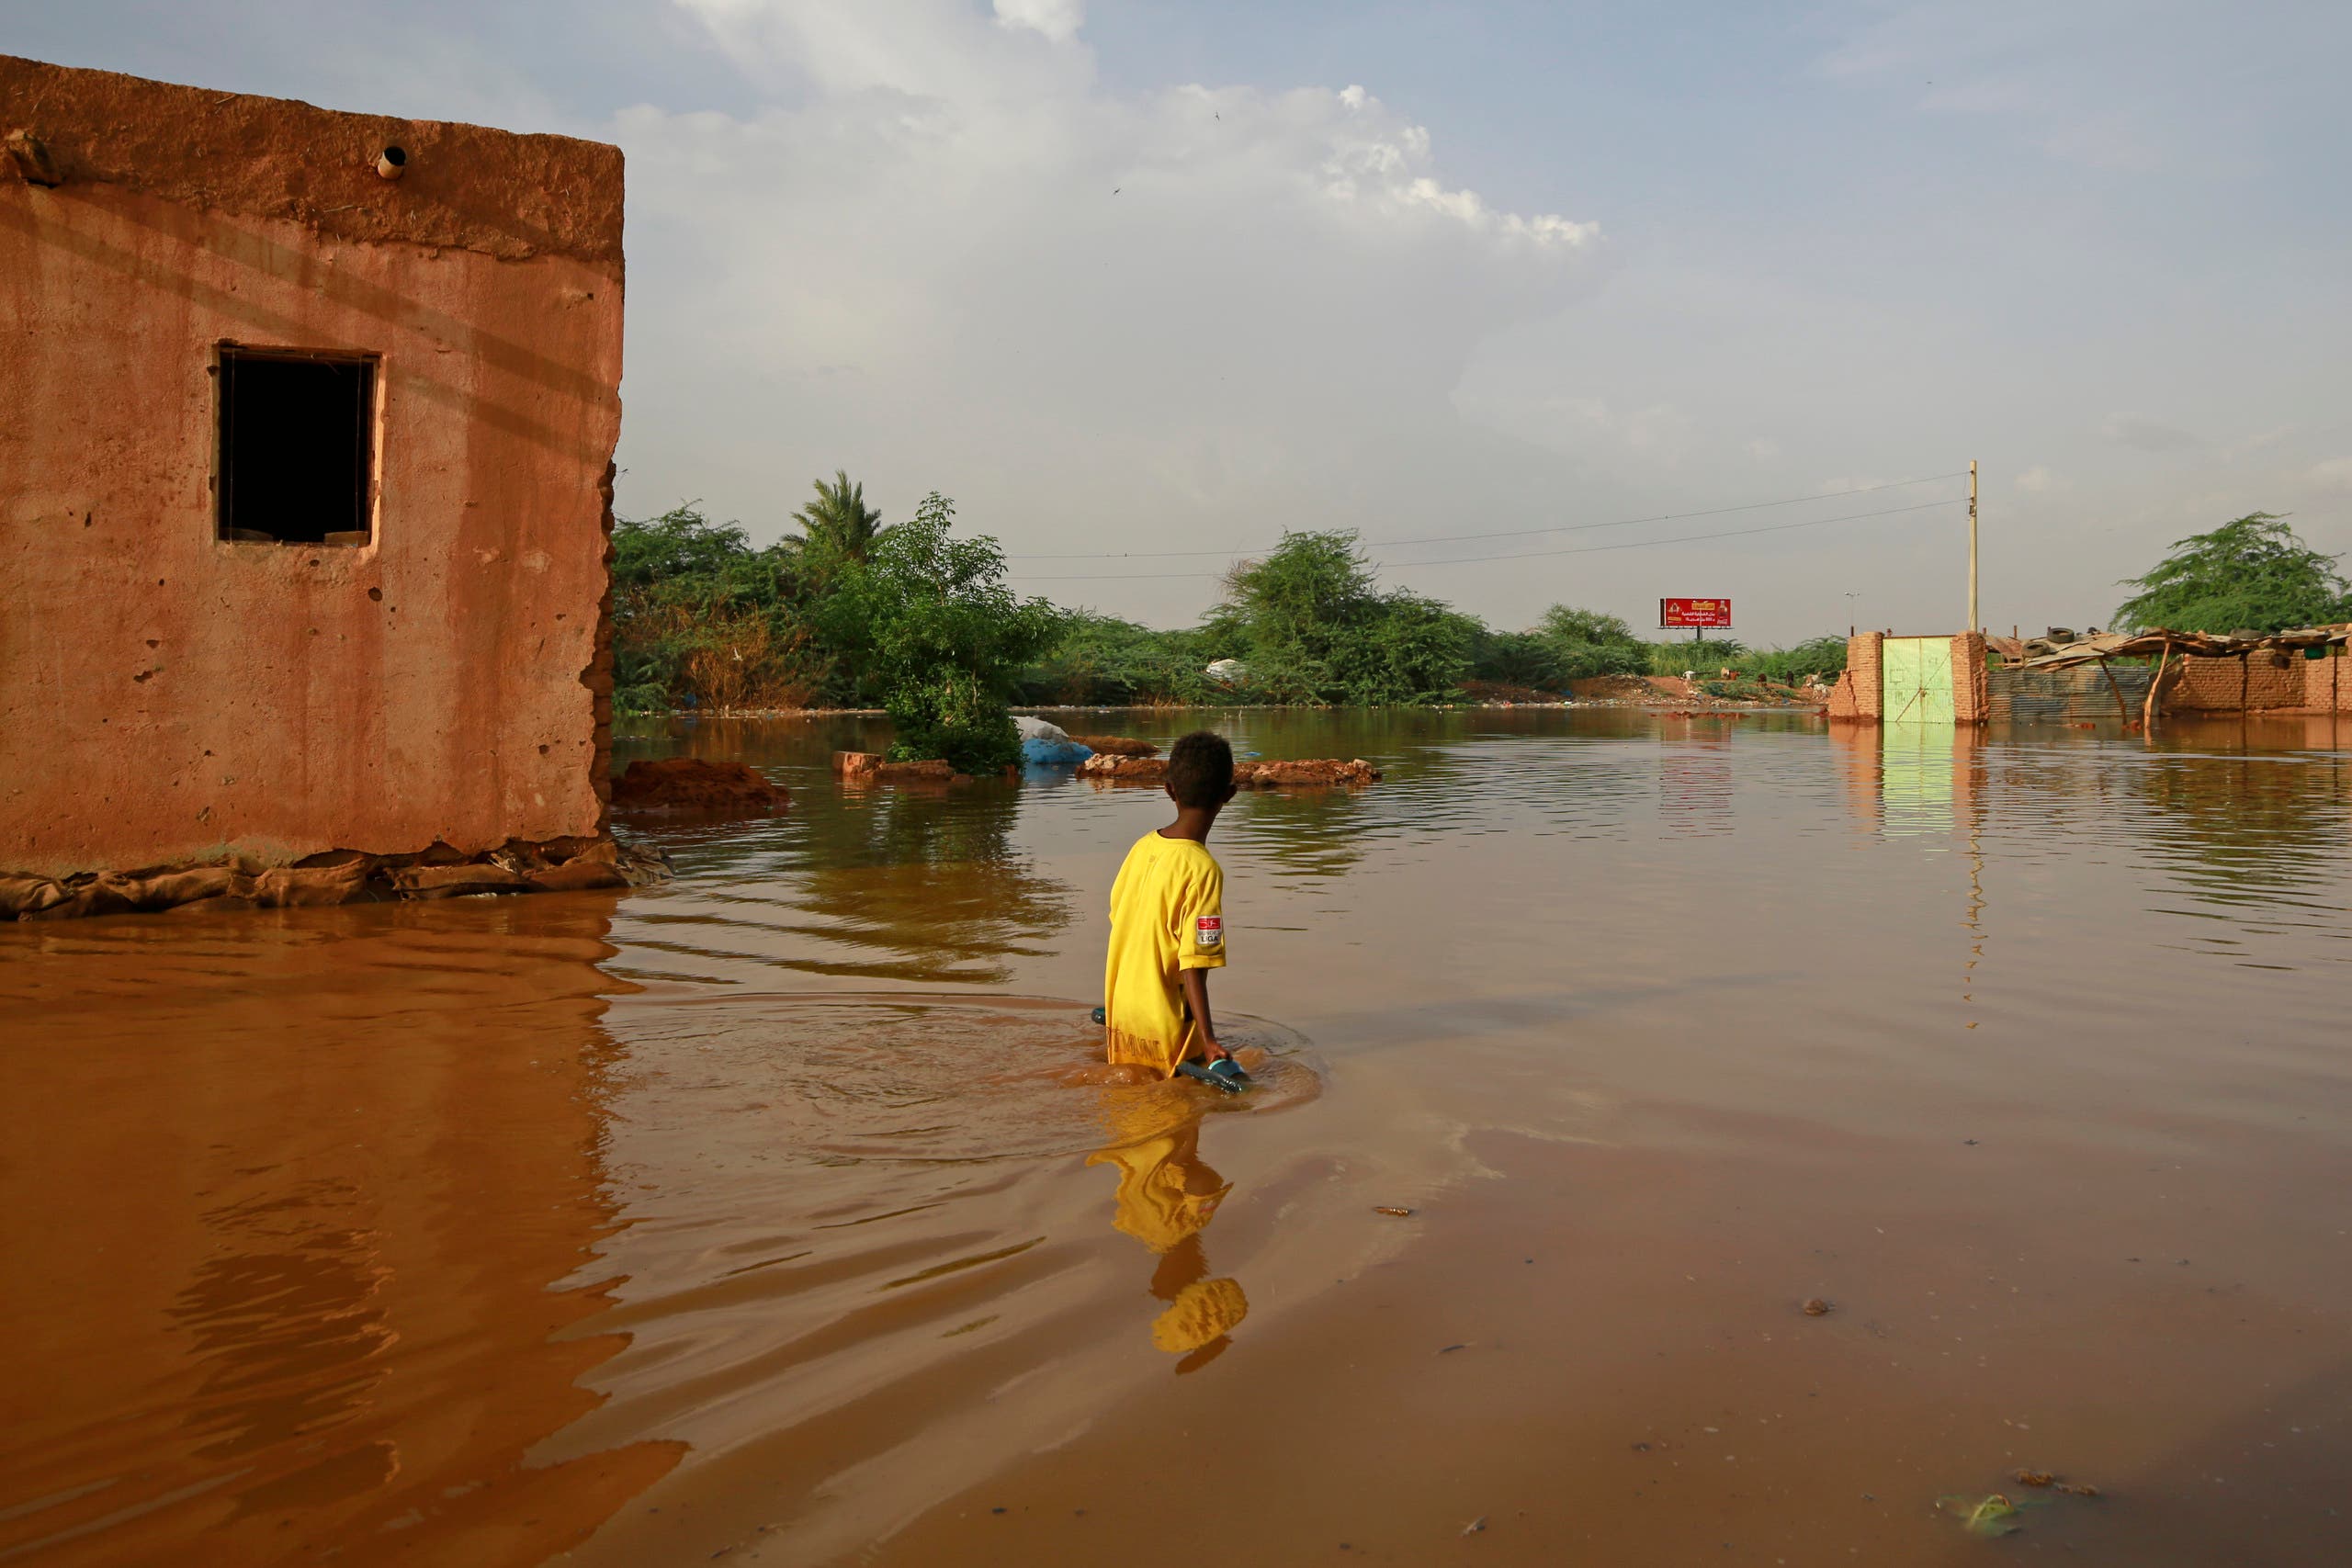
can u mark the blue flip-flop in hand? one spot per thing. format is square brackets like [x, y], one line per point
[1224, 1073]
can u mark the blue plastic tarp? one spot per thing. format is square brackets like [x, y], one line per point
[1039, 751]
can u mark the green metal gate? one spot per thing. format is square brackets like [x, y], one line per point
[1916, 672]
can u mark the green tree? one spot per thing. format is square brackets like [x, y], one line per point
[1101, 659]
[700, 617]
[683, 552]
[2250, 573]
[927, 621]
[1313, 626]
[1414, 649]
[1516, 659]
[1586, 643]
[838, 526]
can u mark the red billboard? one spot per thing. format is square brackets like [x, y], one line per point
[1709, 613]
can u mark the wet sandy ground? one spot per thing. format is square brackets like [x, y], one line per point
[748, 1218]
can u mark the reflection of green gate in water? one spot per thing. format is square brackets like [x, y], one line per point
[1915, 779]
[1916, 676]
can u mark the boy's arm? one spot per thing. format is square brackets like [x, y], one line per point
[1196, 996]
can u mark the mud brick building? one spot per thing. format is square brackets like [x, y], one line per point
[305, 480]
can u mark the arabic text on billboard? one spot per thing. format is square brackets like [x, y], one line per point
[1694, 612]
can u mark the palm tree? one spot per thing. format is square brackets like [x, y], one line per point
[838, 524]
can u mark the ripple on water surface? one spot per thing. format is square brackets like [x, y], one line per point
[382, 1231]
[931, 1078]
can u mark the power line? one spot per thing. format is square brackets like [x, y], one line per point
[1513, 533]
[1530, 555]
[1683, 539]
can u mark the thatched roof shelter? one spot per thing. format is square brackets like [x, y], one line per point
[2039, 653]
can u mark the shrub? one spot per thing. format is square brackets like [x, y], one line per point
[1313, 627]
[1587, 643]
[927, 622]
[1101, 659]
[701, 618]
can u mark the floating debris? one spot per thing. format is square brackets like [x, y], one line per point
[1992, 1514]
[1815, 1308]
[1474, 1525]
[1392, 1209]
[1117, 745]
[1264, 774]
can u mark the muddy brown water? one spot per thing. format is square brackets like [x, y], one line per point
[747, 1219]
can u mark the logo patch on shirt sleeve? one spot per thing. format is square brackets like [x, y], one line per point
[1208, 930]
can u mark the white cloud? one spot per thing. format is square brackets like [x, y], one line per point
[1076, 311]
[939, 50]
[2261, 441]
[2145, 434]
[2335, 473]
[1057, 19]
[1762, 449]
[1577, 425]
[2036, 479]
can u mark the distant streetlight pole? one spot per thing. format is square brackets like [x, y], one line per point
[1971, 545]
[1851, 623]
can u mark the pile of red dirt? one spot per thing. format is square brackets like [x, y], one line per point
[1110, 765]
[692, 783]
[1117, 746]
[1315, 771]
[1634, 689]
[869, 768]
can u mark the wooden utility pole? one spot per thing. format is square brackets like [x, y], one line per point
[1971, 545]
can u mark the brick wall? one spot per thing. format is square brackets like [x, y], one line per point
[2258, 680]
[2327, 682]
[1859, 693]
[1969, 697]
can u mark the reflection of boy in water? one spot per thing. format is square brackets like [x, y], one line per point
[1168, 922]
[1167, 1197]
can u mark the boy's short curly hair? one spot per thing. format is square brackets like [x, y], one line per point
[1200, 769]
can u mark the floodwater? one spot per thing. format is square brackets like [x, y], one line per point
[750, 1220]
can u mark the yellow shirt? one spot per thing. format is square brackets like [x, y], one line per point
[1167, 916]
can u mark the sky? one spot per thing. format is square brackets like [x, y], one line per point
[1517, 291]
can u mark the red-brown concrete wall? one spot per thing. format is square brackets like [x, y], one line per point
[166, 696]
[2194, 685]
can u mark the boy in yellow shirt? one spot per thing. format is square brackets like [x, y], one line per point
[1168, 927]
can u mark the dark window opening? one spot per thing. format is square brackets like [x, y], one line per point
[298, 446]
